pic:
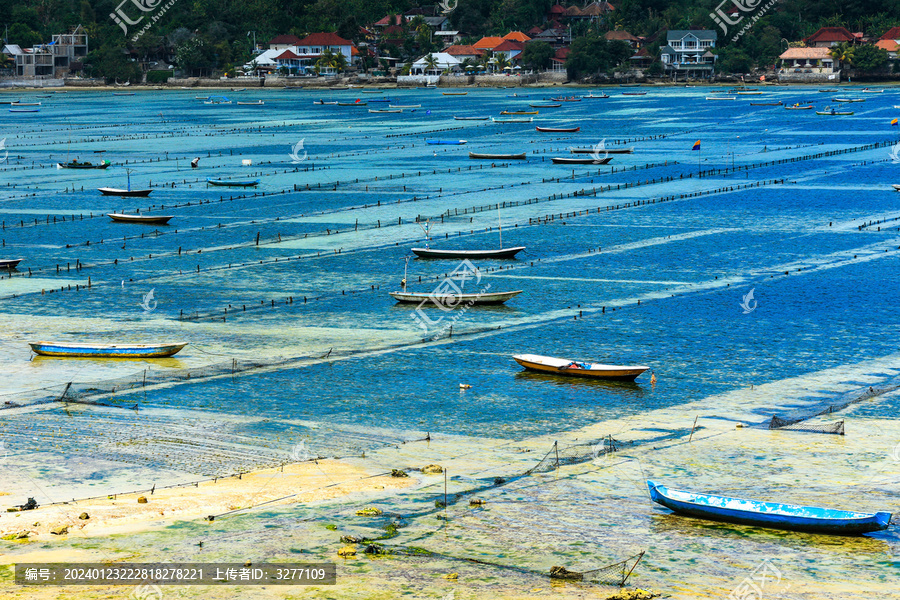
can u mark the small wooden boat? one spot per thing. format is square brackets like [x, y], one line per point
[775, 515]
[10, 263]
[868, 91]
[580, 161]
[634, 93]
[455, 299]
[386, 110]
[24, 110]
[831, 112]
[233, 182]
[454, 93]
[847, 99]
[557, 105]
[24, 103]
[519, 112]
[750, 93]
[103, 164]
[595, 96]
[62, 349]
[144, 219]
[766, 103]
[565, 99]
[798, 107]
[446, 142]
[218, 100]
[497, 156]
[378, 100]
[896, 186]
[606, 150]
[522, 120]
[123, 93]
[404, 106]
[471, 118]
[351, 103]
[333, 103]
[129, 193]
[201, 97]
[255, 103]
[470, 254]
[564, 366]
[829, 90]
[558, 129]
[373, 91]
[721, 97]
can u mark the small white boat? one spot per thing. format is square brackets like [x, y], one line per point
[516, 120]
[868, 91]
[565, 160]
[9, 263]
[470, 118]
[404, 106]
[455, 299]
[256, 103]
[721, 97]
[385, 110]
[145, 219]
[565, 366]
[896, 186]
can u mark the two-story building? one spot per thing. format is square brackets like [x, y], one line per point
[54, 59]
[688, 52]
[827, 37]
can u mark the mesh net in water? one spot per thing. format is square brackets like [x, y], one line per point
[614, 574]
[576, 454]
[836, 428]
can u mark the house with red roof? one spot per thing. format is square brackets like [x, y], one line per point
[464, 52]
[826, 37]
[623, 36]
[890, 42]
[516, 36]
[283, 42]
[316, 43]
[488, 43]
[558, 61]
[512, 50]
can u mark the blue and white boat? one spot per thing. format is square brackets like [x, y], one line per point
[446, 142]
[233, 182]
[774, 515]
[63, 349]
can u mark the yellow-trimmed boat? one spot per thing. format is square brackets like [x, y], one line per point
[565, 366]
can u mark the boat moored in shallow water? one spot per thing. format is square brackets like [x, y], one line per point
[470, 254]
[565, 366]
[65, 349]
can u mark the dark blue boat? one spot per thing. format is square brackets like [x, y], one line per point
[769, 514]
[233, 182]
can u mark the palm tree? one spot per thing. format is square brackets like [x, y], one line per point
[326, 59]
[485, 62]
[339, 61]
[843, 53]
[431, 63]
[502, 61]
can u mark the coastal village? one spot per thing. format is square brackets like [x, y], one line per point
[385, 50]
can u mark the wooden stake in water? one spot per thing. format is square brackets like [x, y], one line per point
[693, 428]
[445, 491]
[500, 225]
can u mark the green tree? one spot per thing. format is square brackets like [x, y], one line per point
[189, 55]
[431, 63]
[655, 69]
[843, 53]
[592, 54]
[537, 55]
[869, 58]
[732, 59]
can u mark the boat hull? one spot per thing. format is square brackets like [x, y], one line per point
[224, 183]
[580, 161]
[145, 219]
[497, 156]
[124, 193]
[101, 165]
[455, 299]
[558, 129]
[106, 350]
[500, 253]
[10, 263]
[769, 514]
[560, 366]
[605, 150]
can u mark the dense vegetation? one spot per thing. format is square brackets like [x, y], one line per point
[207, 35]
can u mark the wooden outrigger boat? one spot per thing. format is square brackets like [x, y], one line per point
[446, 142]
[848, 99]
[143, 219]
[896, 186]
[519, 112]
[404, 106]
[24, 103]
[478, 155]
[233, 183]
[580, 161]
[454, 93]
[9, 263]
[775, 515]
[557, 105]
[564, 366]
[798, 107]
[24, 110]
[829, 90]
[779, 103]
[558, 129]
[103, 164]
[522, 120]
[471, 118]
[605, 150]
[593, 96]
[868, 91]
[62, 349]
[634, 93]
[357, 103]
[750, 93]
[831, 112]
[470, 254]
[721, 97]
[128, 193]
[331, 102]
[564, 99]
[457, 299]
[386, 110]
[254, 103]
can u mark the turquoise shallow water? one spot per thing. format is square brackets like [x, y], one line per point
[689, 261]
